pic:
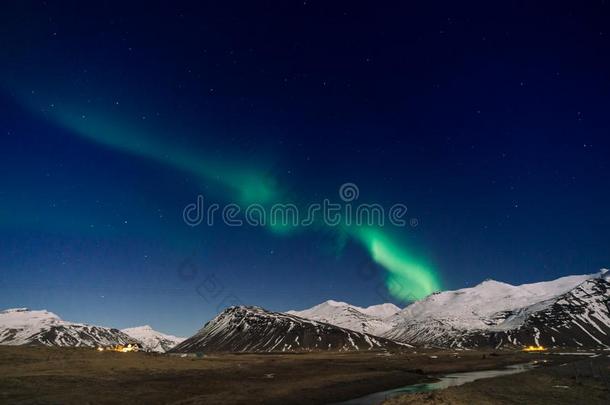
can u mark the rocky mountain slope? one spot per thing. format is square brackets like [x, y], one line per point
[22, 326]
[569, 311]
[253, 329]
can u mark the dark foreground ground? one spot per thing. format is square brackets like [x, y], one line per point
[36, 375]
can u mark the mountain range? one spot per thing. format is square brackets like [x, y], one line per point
[569, 311]
[22, 326]
[572, 311]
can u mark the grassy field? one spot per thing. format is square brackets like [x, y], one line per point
[40, 375]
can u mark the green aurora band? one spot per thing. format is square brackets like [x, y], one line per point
[406, 278]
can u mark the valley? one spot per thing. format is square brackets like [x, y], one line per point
[68, 375]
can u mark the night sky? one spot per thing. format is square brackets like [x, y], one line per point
[489, 121]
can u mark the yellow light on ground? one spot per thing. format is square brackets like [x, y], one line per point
[128, 348]
[120, 348]
[534, 349]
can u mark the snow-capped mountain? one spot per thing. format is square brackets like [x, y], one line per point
[153, 340]
[253, 329]
[21, 326]
[569, 311]
[580, 317]
[372, 320]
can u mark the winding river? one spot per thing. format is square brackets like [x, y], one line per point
[444, 381]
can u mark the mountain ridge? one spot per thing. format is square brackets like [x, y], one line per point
[254, 329]
[22, 326]
[496, 314]
[492, 313]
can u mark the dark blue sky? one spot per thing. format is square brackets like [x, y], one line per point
[489, 121]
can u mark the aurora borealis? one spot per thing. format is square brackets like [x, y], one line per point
[406, 279]
[486, 123]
